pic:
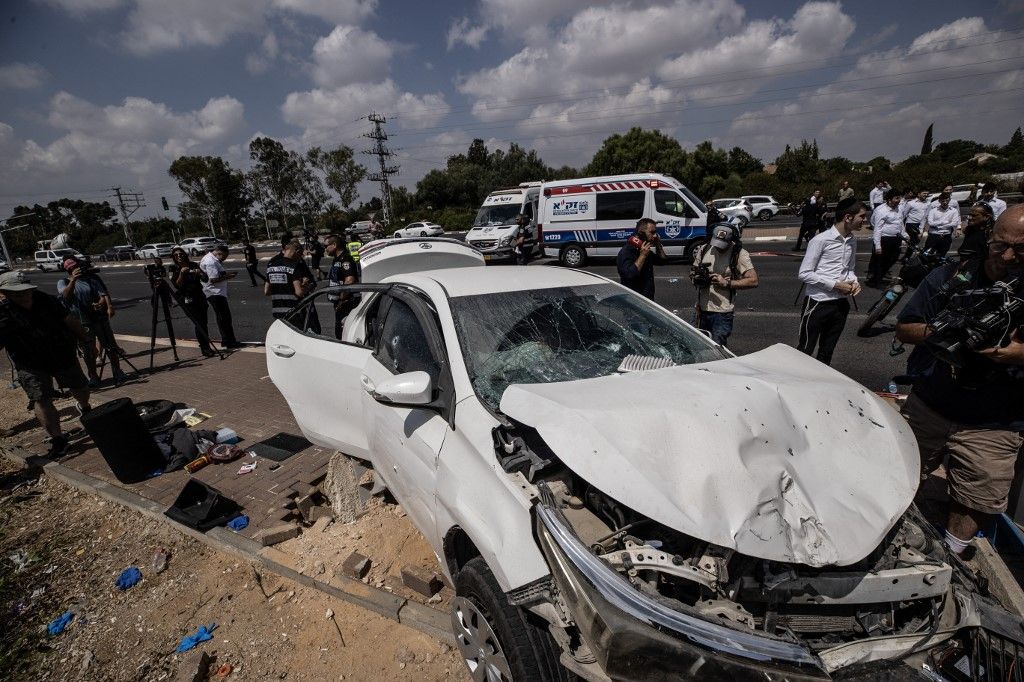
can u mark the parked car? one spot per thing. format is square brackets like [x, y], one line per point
[119, 253]
[763, 206]
[735, 208]
[962, 194]
[610, 491]
[158, 250]
[197, 246]
[53, 259]
[420, 229]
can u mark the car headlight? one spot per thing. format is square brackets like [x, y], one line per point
[504, 241]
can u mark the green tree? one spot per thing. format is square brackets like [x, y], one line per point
[926, 146]
[636, 152]
[215, 192]
[742, 162]
[277, 173]
[341, 171]
[799, 165]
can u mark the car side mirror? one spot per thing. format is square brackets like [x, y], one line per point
[411, 388]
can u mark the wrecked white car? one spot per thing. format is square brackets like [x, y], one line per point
[616, 497]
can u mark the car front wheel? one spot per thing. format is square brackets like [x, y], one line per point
[764, 214]
[573, 256]
[498, 641]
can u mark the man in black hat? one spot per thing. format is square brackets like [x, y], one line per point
[40, 336]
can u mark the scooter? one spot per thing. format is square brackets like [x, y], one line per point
[917, 262]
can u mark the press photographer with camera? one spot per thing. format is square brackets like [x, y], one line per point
[86, 297]
[635, 261]
[720, 269]
[967, 405]
[188, 278]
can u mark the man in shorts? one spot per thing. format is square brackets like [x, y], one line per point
[40, 336]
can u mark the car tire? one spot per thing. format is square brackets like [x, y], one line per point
[743, 220]
[573, 256]
[765, 215]
[513, 645]
[194, 252]
[423, 234]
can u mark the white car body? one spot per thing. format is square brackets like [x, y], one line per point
[495, 230]
[197, 246]
[770, 460]
[962, 193]
[420, 229]
[734, 208]
[763, 206]
[53, 259]
[158, 250]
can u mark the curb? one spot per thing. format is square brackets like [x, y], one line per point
[417, 616]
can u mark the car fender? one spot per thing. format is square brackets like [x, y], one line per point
[492, 507]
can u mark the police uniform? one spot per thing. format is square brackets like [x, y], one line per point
[342, 267]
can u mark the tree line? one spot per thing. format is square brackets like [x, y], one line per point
[318, 190]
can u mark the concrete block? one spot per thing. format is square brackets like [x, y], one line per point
[356, 566]
[277, 534]
[1003, 585]
[421, 580]
[320, 512]
[342, 489]
[305, 505]
[320, 525]
[192, 667]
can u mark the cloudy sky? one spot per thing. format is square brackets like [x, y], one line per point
[97, 93]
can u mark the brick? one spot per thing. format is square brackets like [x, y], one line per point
[193, 667]
[421, 580]
[356, 566]
[320, 525]
[305, 505]
[319, 513]
[303, 489]
[277, 534]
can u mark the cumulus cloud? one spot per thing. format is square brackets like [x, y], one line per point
[259, 61]
[21, 76]
[81, 7]
[156, 25]
[139, 136]
[325, 114]
[331, 11]
[461, 31]
[350, 55]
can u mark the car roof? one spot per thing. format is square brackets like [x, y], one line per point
[474, 281]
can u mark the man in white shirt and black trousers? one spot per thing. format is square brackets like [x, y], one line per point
[940, 223]
[914, 213]
[829, 274]
[887, 223]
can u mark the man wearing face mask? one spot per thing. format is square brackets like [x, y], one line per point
[972, 417]
[636, 260]
[719, 270]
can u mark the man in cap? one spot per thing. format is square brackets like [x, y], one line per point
[40, 337]
[719, 270]
[86, 297]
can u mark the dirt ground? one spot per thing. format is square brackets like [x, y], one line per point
[62, 550]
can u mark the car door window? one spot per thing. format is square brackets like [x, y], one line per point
[315, 315]
[403, 343]
[668, 202]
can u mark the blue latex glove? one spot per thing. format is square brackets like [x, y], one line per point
[238, 523]
[129, 578]
[58, 624]
[202, 635]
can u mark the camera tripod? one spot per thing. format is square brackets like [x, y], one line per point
[160, 301]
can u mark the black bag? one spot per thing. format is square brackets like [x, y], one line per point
[202, 507]
[124, 441]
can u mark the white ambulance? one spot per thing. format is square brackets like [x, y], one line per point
[587, 217]
[495, 230]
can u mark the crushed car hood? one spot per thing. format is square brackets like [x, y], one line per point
[772, 454]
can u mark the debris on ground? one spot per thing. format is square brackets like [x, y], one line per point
[203, 634]
[129, 578]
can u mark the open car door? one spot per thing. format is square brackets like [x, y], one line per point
[320, 375]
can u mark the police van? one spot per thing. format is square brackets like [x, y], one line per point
[588, 217]
[495, 229]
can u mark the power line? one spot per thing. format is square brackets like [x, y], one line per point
[383, 154]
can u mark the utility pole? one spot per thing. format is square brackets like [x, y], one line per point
[129, 202]
[383, 154]
[3, 242]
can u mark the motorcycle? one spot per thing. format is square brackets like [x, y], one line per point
[915, 265]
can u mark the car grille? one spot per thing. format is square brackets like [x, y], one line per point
[484, 244]
[989, 657]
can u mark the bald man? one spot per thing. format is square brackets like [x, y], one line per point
[973, 417]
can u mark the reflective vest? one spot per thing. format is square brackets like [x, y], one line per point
[353, 249]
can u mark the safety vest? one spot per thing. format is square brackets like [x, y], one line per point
[353, 249]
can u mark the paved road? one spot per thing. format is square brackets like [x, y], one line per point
[765, 315]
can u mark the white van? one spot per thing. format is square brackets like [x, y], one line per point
[494, 228]
[587, 217]
[53, 259]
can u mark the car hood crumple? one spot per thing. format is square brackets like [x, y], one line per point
[772, 454]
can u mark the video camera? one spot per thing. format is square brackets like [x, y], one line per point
[155, 273]
[976, 319]
[702, 278]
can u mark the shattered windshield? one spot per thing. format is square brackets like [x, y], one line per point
[503, 214]
[565, 333]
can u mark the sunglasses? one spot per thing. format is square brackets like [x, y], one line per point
[1000, 247]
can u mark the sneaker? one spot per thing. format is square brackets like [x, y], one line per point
[58, 447]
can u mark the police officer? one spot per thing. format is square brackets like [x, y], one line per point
[343, 271]
[522, 230]
[636, 261]
[251, 261]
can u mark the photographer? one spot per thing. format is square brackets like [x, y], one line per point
[635, 261]
[85, 296]
[972, 416]
[188, 280]
[719, 270]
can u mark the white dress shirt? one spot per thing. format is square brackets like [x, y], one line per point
[943, 222]
[830, 258]
[887, 222]
[953, 203]
[915, 211]
[876, 196]
[213, 268]
[998, 206]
